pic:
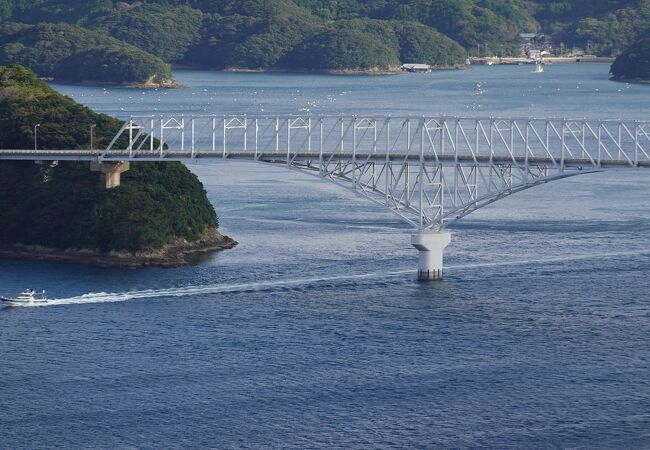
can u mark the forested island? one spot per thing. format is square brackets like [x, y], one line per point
[72, 54]
[159, 215]
[634, 63]
[320, 35]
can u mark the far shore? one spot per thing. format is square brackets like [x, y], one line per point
[179, 253]
[370, 71]
[171, 84]
[544, 59]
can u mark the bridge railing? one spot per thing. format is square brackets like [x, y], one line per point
[555, 141]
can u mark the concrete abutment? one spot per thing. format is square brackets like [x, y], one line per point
[110, 172]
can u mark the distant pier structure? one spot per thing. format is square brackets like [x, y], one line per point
[423, 68]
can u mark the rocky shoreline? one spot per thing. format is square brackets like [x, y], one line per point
[148, 84]
[178, 253]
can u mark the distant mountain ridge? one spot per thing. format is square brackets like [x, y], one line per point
[364, 35]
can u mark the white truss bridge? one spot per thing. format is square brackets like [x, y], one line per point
[430, 171]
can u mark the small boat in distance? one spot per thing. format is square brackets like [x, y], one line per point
[26, 298]
[539, 68]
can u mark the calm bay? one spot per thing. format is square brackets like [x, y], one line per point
[313, 332]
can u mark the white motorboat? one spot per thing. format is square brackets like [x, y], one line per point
[26, 298]
[539, 68]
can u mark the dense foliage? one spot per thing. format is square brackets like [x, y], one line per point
[603, 27]
[256, 33]
[65, 206]
[344, 46]
[492, 26]
[163, 31]
[634, 63]
[374, 45]
[71, 53]
[308, 33]
[248, 41]
[480, 26]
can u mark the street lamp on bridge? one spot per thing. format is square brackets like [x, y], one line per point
[37, 126]
[92, 129]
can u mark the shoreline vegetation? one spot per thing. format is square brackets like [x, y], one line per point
[159, 215]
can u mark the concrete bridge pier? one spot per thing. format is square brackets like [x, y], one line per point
[430, 245]
[110, 171]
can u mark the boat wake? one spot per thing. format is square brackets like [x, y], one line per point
[105, 297]
[110, 297]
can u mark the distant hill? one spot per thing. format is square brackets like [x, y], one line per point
[252, 33]
[606, 27]
[71, 53]
[342, 35]
[479, 26]
[272, 34]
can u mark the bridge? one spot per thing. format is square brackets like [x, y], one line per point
[429, 171]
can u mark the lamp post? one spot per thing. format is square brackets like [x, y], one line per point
[92, 129]
[36, 127]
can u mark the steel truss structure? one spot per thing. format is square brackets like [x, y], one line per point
[430, 171]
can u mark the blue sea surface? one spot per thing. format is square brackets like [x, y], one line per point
[313, 333]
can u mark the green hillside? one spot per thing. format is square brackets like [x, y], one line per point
[164, 31]
[341, 35]
[71, 53]
[480, 26]
[491, 26]
[359, 44]
[64, 206]
[251, 33]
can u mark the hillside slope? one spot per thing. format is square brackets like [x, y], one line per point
[70, 53]
[281, 34]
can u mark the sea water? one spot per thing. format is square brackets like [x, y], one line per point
[313, 332]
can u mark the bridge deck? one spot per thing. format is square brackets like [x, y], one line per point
[394, 157]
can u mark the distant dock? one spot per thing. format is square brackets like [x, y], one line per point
[422, 68]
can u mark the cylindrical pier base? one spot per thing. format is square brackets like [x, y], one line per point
[431, 245]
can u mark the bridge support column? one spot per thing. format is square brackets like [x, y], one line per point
[110, 172]
[430, 245]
